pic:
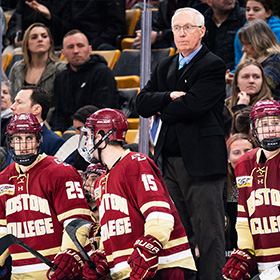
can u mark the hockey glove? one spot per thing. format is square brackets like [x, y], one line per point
[69, 265]
[102, 267]
[239, 265]
[144, 259]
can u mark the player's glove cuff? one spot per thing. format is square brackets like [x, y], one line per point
[102, 267]
[69, 265]
[239, 265]
[144, 259]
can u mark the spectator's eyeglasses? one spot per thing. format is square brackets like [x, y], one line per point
[186, 28]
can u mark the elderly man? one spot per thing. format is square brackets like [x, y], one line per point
[188, 91]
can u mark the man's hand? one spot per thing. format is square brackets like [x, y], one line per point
[176, 94]
[102, 267]
[229, 77]
[144, 259]
[239, 265]
[39, 8]
[69, 265]
[137, 41]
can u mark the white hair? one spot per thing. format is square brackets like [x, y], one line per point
[199, 18]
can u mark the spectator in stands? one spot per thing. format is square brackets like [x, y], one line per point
[6, 112]
[34, 100]
[259, 42]
[101, 21]
[222, 20]
[50, 13]
[86, 81]
[39, 65]
[249, 86]
[161, 34]
[188, 90]
[258, 9]
[237, 145]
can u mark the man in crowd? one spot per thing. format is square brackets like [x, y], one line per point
[34, 100]
[222, 21]
[86, 81]
[187, 90]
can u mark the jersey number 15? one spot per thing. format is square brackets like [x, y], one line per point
[149, 182]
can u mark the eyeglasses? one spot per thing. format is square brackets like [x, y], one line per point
[186, 28]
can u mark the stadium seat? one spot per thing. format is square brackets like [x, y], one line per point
[129, 61]
[111, 56]
[127, 101]
[6, 60]
[16, 57]
[133, 123]
[131, 136]
[132, 16]
[131, 81]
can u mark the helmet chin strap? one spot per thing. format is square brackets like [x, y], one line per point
[104, 138]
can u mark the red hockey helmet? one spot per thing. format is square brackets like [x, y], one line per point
[109, 120]
[24, 123]
[96, 168]
[111, 124]
[265, 108]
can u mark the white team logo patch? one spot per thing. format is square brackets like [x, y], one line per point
[244, 181]
[97, 192]
[7, 189]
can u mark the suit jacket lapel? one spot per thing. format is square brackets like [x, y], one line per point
[197, 57]
[172, 72]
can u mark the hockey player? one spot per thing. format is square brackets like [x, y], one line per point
[141, 231]
[39, 195]
[92, 173]
[258, 180]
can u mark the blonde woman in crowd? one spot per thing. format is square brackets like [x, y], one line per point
[39, 65]
[259, 42]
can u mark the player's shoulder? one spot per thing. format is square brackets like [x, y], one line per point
[136, 158]
[8, 172]
[56, 166]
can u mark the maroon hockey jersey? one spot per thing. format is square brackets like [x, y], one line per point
[258, 221]
[34, 205]
[133, 201]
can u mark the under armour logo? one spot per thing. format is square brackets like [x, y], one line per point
[20, 188]
[83, 84]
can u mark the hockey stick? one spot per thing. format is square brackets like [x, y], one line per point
[9, 239]
[269, 274]
[68, 148]
[71, 229]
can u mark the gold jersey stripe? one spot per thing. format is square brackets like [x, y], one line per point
[268, 252]
[150, 204]
[176, 242]
[240, 208]
[27, 255]
[42, 275]
[3, 222]
[160, 229]
[73, 212]
[126, 252]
